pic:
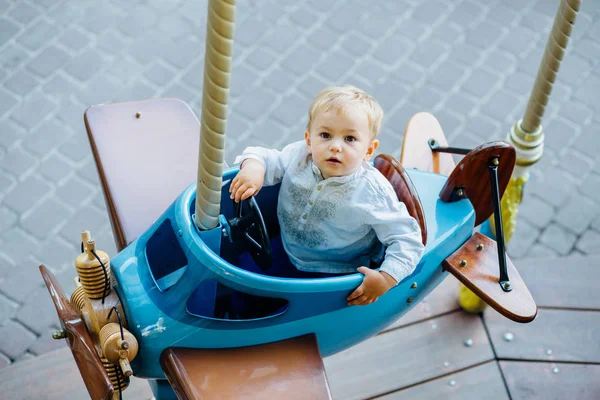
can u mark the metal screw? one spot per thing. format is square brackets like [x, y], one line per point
[469, 342]
[447, 364]
[452, 383]
[495, 161]
[59, 334]
[409, 300]
[508, 337]
[138, 115]
[549, 352]
[414, 285]
[460, 192]
[125, 345]
[180, 232]
[555, 370]
[507, 284]
[434, 326]
[480, 247]
[463, 263]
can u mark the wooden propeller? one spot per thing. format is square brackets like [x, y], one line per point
[92, 371]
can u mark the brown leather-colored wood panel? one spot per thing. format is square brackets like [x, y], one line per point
[472, 174]
[290, 369]
[567, 282]
[144, 163]
[410, 355]
[527, 380]
[442, 300]
[477, 383]
[415, 145]
[481, 275]
[405, 189]
[54, 376]
[555, 335]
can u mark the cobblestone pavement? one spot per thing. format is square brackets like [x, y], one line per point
[471, 63]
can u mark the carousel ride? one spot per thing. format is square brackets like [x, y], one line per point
[195, 300]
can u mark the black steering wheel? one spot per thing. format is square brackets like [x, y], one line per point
[249, 226]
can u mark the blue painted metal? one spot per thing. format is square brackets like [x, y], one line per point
[155, 296]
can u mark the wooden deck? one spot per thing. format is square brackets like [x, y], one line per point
[424, 355]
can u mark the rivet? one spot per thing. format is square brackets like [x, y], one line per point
[480, 247]
[446, 363]
[549, 352]
[59, 334]
[555, 370]
[138, 115]
[507, 284]
[434, 326]
[414, 285]
[463, 263]
[460, 192]
[495, 161]
[452, 383]
[469, 342]
[409, 300]
[180, 232]
[508, 337]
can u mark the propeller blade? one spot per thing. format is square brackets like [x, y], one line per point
[92, 371]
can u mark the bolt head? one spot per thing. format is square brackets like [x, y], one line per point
[138, 115]
[508, 337]
[414, 285]
[463, 263]
[409, 300]
[549, 352]
[460, 192]
[469, 342]
[57, 335]
[452, 383]
[495, 161]
[480, 247]
[555, 370]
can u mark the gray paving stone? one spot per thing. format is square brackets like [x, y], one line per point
[18, 162]
[426, 96]
[304, 18]
[136, 91]
[160, 74]
[112, 43]
[334, 66]
[589, 242]
[7, 219]
[33, 110]
[371, 71]
[576, 163]
[4, 361]
[6, 182]
[43, 138]
[89, 172]
[466, 14]
[589, 141]
[280, 80]
[519, 41]
[431, 12]
[74, 192]
[102, 88]
[588, 91]
[256, 106]
[355, 44]
[311, 85]
[485, 34]
[447, 75]
[36, 36]
[250, 31]
[55, 168]
[261, 58]
[323, 39]
[140, 19]
[393, 50]
[287, 111]
[389, 94]
[182, 92]
[539, 250]
[8, 30]
[410, 74]
[59, 87]
[503, 105]
[179, 53]
[85, 65]
[44, 218]
[523, 239]
[586, 47]
[344, 19]
[428, 53]
[7, 101]
[557, 238]
[38, 312]
[26, 278]
[8, 308]
[58, 254]
[500, 62]
[242, 80]
[520, 83]
[16, 339]
[450, 122]
[21, 83]
[23, 13]
[271, 131]
[466, 54]
[461, 104]
[75, 39]
[302, 59]
[537, 211]
[573, 69]
[105, 240]
[449, 34]
[577, 213]
[76, 149]
[376, 24]
[576, 112]
[48, 61]
[176, 26]
[45, 343]
[480, 83]
[559, 133]
[555, 187]
[146, 48]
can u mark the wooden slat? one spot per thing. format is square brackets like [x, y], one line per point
[527, 380]
[54, 376]
[570, 335]
[569, 282]
[443, 299]
[481, 382]
[406, 356]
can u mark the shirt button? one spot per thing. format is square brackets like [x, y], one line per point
[310, 202]
[304, 216]
[319, 187]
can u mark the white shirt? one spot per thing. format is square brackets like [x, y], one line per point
[338, 224]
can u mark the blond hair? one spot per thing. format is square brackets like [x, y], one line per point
[338, 97]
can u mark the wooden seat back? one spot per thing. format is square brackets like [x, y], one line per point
[405, 189]
[146, 153]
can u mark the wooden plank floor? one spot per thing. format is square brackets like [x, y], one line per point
[424, 354]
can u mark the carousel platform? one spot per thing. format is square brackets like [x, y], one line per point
[435, 351]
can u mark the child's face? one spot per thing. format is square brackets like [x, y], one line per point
[339, 140]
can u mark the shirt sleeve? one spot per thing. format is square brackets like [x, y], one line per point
[275, 162]
[399, 232]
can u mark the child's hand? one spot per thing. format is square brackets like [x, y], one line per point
[248, 181]
[374, 285]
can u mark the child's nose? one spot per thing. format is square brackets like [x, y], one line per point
[336, 146]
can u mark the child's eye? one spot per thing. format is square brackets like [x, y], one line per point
[350, 138]
[325, 135]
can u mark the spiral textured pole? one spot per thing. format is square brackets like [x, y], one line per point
[215, 95]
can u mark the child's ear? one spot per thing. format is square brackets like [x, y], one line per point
[307, 140]
[371, 149]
